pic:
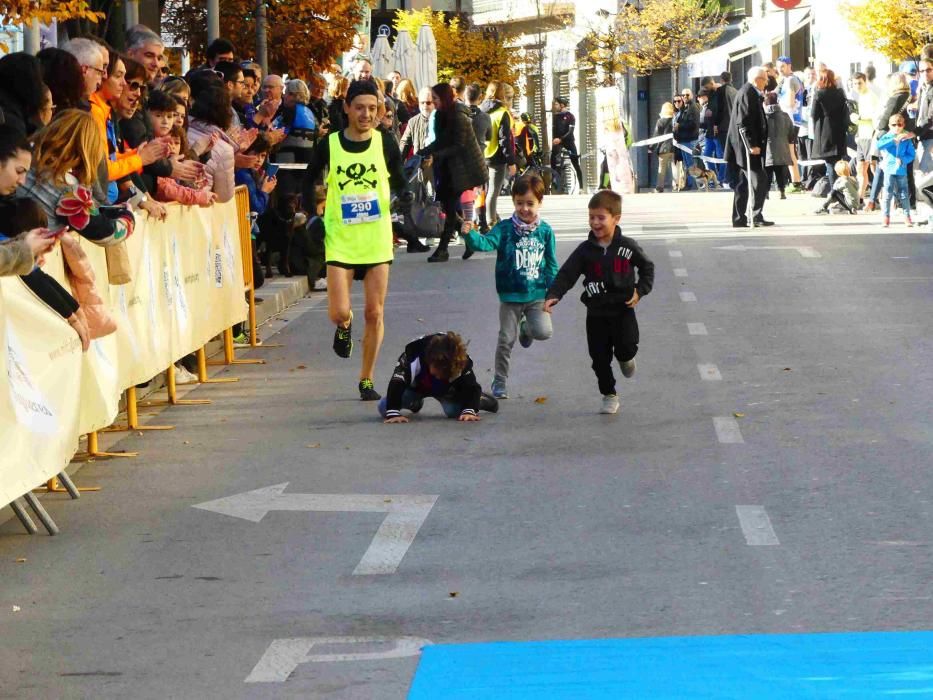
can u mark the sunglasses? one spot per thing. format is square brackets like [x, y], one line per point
[136, 86]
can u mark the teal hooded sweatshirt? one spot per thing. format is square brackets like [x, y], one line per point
[525, 264]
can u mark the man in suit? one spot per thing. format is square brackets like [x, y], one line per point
[747, 171]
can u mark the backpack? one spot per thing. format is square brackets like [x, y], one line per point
[821, 188]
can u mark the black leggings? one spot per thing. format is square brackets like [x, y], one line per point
[779, 173]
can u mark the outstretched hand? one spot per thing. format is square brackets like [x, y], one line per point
[468, 418]
[396, 419]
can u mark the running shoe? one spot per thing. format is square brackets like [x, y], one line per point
[368, 391]
[488, 403]
[499, 389]
[524, 337]
[610, 404]
[343, 340]
[628, 368]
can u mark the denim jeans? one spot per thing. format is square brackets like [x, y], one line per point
[713, 149]
[687, 159]
[451, 409]
[896, 186]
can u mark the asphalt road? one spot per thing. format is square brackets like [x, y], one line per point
[768, 472]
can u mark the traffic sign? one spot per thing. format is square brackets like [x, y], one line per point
[786, 4]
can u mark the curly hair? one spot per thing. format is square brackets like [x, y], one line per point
[446, 355]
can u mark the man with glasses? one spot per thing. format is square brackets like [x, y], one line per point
[91, 58]
[747, 169]
[232, 75]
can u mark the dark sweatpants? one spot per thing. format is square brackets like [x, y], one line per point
[608, 337]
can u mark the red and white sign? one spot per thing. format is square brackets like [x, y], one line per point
[786, 4]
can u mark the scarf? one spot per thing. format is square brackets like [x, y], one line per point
[522, 228]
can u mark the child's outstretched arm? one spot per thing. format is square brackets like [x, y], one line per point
[567, 276]
[476, 241]
[401, 378]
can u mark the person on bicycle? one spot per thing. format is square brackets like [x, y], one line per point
[529, 141]
[563, 123]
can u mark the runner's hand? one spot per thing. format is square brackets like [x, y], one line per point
[397, 419]
[549, 304]
[468, 418]
[633, 302]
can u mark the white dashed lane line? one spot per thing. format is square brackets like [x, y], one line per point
[688, 296]
[697, 329]
[756, 526]
[675, 253]
[709, 373]
[727, 430]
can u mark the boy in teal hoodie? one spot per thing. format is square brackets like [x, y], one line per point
[526, 265]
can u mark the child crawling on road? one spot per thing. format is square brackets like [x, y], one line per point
[436, 365]
[608, 262]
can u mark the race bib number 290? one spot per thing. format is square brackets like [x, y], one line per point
[359, 208]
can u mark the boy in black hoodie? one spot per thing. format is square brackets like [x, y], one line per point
[611, 290]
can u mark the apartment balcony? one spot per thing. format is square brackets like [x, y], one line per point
[522, 16]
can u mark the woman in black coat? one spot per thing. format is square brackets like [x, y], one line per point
[830, 122]
[459, 164]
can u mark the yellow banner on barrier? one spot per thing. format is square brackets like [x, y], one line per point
[187, 287]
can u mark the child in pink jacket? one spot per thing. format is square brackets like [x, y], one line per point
[169, 190]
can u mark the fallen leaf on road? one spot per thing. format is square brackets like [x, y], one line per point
[314, 444]
[386, 500]
[541, 399]
[301, 367]
[420, 320]
[453, 594]
[187, 442]
[738, 415]
[21, 560]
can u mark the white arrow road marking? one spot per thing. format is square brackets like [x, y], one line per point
[688, 296]
[405, 515]
[285, 655]
[680, 272]
[756, 525]
[804, 250]
[727, 430]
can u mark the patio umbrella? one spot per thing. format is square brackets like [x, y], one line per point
[426, 62]
[405, 55]
[382, 54]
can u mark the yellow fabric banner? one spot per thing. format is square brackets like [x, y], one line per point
[187, 287]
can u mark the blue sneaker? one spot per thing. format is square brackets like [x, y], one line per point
[524, 337]
[499, 390]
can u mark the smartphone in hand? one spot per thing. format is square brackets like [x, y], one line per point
[271, 169]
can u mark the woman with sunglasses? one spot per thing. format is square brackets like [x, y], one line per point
[686, 130]
[120, 163]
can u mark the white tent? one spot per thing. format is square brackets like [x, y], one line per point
[426, 65]
[405, 55]
[382, 54]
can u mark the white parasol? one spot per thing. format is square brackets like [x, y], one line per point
[426, 65]
[382, 54]
[405, 55]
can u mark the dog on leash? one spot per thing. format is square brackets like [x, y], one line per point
[705, 178]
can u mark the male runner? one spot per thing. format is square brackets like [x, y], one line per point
[362, 168]
[562, 124]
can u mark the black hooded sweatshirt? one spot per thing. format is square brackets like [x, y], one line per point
[609, 278]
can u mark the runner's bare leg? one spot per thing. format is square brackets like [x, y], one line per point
[339, 282]
[375, 288]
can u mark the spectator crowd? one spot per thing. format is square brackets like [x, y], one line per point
[859, 144]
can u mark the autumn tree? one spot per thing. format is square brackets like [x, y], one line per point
[461, 48]
[658, 34]
[303, 35]
[895, 28]
[46, 11]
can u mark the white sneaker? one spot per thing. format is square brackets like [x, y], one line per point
[628, 368]
[610, 404]
[320, 285]
[183, 376]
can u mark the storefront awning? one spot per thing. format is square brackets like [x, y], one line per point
[764, 33]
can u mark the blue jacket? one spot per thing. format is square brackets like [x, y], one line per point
[525, 265]
[893, 150]
[258, 200]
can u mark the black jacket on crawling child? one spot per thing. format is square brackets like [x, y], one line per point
[412, 373]
[609, 278]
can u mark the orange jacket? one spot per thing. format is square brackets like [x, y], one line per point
[127, 162]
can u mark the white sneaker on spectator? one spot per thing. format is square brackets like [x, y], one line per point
[320, 285]
[183, 376]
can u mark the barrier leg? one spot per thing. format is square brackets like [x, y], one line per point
[202, 371]
[93, 453]
[132, 417]
[41, 513]
[24, 518]
[171, 390]
[229, 353]
[254, 341]
[67, 486]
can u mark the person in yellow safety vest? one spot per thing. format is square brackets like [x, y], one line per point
[500, 149]
[529, 141]
[363, 166]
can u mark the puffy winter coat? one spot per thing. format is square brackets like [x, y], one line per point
[220, 166]
[458, 161]
[780, 130]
